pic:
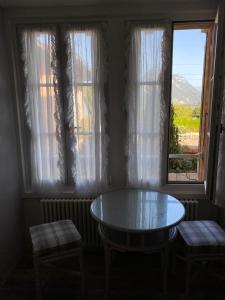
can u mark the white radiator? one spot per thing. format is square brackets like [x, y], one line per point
[78, 210]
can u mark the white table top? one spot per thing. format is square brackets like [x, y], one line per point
[137, 210]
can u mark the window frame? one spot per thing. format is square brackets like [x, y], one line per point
[177, 188]
[14, 17]
[187, 25]
[68, 187]
[217, 102]
[207, 188]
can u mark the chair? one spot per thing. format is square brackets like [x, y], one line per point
[202, 241]
[52, 242]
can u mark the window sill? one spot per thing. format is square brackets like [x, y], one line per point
[189, 191]
[183, 190]
[59, 194]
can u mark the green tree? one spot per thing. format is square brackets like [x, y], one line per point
[174, 147]
[196, 112]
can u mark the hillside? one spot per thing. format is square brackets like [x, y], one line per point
[185, 93]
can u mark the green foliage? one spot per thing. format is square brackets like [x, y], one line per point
[183, 119]
[186, 118]
[174, 146]
[180, 165]
[196, 112]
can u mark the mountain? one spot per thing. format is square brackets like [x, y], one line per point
[185, 93]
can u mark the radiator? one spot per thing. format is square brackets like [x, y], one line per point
[191, 209]
[78, 210]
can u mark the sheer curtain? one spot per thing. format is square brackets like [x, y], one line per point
[220, 184]
[86, 109]
[146, 104]
[42, 106]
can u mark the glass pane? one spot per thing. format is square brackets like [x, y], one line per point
[85, 69]
[149, 63]
[82, 53]
[148, 105]
[85, 149]
[83, 108]
[42, 107]
[145, 106]
[186, 104]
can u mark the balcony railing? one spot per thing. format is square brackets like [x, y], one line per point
[185, 171]
[184, 155]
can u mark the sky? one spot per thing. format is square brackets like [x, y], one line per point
[188, 55]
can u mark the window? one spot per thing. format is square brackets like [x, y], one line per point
[153, 158]
[64, 107]
[189, 110]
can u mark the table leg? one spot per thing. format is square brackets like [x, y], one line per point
[107, 270]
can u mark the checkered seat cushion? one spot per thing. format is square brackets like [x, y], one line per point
[50, 237]
[207, 235]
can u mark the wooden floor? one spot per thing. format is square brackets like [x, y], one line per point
[134, 277]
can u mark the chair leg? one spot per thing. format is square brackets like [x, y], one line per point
[37, 279]
[173, 262]
[107, 270]
[188, 277]
[164, 263]
[82, 271]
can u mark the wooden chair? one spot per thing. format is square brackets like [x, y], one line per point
[200, 241]
[52, 242]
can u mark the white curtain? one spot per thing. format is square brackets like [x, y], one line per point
[42, 107]
[146, 105]
[85, 65]
[220, 184]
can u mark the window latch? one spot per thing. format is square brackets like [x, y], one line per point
[71, 128]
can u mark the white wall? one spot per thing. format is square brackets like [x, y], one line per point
[11, 224]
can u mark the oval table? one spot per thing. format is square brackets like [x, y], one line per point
[137, 220]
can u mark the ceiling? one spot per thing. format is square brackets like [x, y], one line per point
[61, 3]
